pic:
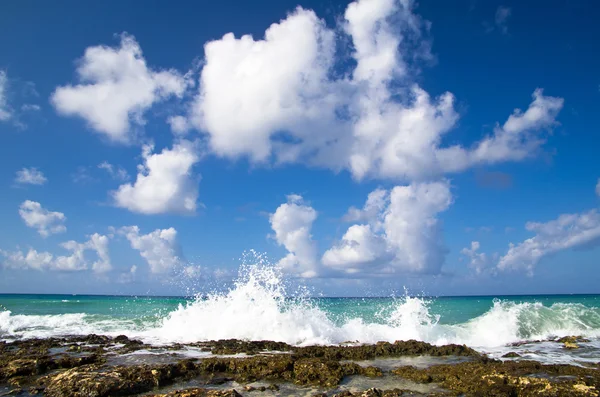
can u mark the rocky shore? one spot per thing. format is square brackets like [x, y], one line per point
[99, 366]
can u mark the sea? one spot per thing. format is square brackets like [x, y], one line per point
[259, 306]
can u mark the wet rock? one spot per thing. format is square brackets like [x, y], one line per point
[384, 349]
[371, 372]
[509, 378]
[572, 339]
[511, 355]
[571, 345]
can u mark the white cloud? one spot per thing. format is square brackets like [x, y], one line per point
[478, 261]
[292, 222]
[290, 105]
[249, 89]
[5, 110]
[116, 172]
[116, 88]
[514, 141]
[99, 243]
[598, 188]
[179, 125]
[76, 261]
[31, 176]
[401, 233]
[37, 217]
[159, 248]
[165, 182]
[32, 259]
[567, 231]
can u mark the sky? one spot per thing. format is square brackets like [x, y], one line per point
[363, 148]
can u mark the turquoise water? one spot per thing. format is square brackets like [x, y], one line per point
[451, 310]
[257, 308]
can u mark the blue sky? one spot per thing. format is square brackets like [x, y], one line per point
[365, 147]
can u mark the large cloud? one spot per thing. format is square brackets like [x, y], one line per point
[159, 248]
[46, 222]
[252, 89]
[165, 182]
[400, 232]
[284, 98]
[116, 88]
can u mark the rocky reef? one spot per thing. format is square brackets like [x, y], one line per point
[94, 366]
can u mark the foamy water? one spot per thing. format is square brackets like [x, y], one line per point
[256, 308]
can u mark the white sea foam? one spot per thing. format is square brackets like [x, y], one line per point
[256, 308]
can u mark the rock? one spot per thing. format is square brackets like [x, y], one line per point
[511, 355]
[371, 372]
[572, 339]
[508, 378]
[373, 392]
[318, 372]
[571, 345]
[196, 392]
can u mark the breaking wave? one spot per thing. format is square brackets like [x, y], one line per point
[257, 307]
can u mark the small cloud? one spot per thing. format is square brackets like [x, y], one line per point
[44, 221]
[30, 176]
[598, 188]
[116, 172]
[30, 107]
[500, 21]
[82, 175]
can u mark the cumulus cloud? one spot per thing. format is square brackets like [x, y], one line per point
[76, 261]
[292, 223]
[567, 231]
[478, 261]
[159, 248]
[397, 232]
[374, 120]
[46, 222]
[116, 88]
[250, 89]
[165, 182]
[30, 176]
[400, 232]
[5, 110]
[116, 172]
